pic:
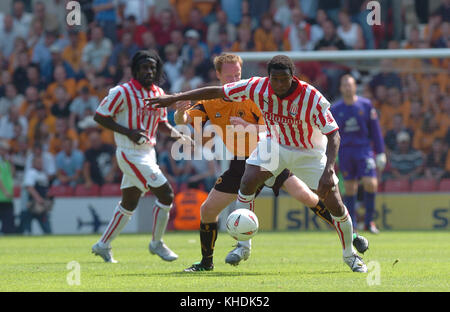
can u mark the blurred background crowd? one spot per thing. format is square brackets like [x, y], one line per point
[53, 76]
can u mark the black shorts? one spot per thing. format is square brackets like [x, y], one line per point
[230, 181]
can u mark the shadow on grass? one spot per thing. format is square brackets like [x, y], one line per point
[220, 274]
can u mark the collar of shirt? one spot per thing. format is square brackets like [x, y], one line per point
[138, 86]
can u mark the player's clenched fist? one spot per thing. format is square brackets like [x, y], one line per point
[138, 136]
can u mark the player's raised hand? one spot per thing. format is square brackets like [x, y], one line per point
[161, 101]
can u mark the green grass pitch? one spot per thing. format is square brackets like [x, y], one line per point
[280, 262]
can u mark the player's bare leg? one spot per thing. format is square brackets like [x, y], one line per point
[161, 212]
[209, 213]
[301, 192]
[370, 185]
[253, 178]
[122, 214]
[343, 225]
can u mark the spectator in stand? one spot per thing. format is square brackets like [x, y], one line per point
[283, 13]
[6, 190]
[7, 123]
[221, 23]
[34, 78]
[35, 34]
[184, 7]
[256, 8]
[349, 32]
[292, 31]
[224, 44]
[29, 105]
[39, 204]
[149, 42]
[163, 26]
[426, 134]
[137, 30]
[82, 106]
[62, 131]
[141, 10]
[177, 39]
[432, 31]
[331, 8]
[96, 53]
[73, 52]
[233, 9]
[48, 69]
[41, 52]
[60, 80]
[11, 98]
[317, 26]
[394, 105]
[244, 43]
[201, 63]
[8, 34]
[444, 40]
[413, 40]
[21, 19]
[281, 43]
[304, 44]
[51, 21]
[263, 36]
[127, 47]
[386, 77]
[40, 116]
[105, 16]
[193, 41]
[330, 41]
[406, 162]
[173, 65]
[196, 22]
[61, 107]
[435, 161]
[19, 150]
[398, 126]
[359, 12]
[187, 81]
[100, 165]
[20, 71]
[69, 164]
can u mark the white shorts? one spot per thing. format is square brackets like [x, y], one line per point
[139, 169]
[306, 164]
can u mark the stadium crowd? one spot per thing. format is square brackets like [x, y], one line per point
[54, 75]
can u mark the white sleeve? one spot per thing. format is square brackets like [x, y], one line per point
[112, 103]
[323, 118]
[238, 91]
[29, 178]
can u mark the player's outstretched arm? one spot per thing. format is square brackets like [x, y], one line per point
[205, 93]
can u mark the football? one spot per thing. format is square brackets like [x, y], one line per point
[242, 224]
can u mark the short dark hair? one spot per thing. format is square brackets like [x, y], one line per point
[281, 62]
[141, 56]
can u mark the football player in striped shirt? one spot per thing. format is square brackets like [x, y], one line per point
[302, 134]
[134, 124]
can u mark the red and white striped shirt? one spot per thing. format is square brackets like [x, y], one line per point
[125, 103]
[303, 118]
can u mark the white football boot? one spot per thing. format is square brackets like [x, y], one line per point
[104, 252]
[356, 263]
[237, 255]
[160, 249]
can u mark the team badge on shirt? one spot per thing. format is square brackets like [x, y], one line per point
[218, 115]
[240, 113]
[293, 111]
